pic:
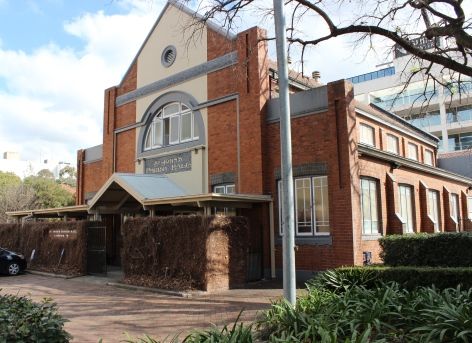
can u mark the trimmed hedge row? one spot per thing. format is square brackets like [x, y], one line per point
[408, 277]
[185, 252]
[46, 240]
[452, 249]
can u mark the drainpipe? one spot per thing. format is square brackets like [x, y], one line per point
[272, 240]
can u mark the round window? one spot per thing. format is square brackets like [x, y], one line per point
[168, 56]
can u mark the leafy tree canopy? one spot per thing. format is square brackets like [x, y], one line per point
[68, 176]
[48, 193]
[8, 179]
[45, 173]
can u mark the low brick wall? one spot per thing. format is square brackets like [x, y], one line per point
[185, 252]
[59, 247]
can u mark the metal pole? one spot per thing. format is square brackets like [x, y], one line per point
[286, 156]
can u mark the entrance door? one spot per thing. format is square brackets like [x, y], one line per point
[96, 248]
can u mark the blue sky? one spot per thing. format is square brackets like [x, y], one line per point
[27, 25]
[56, 59]
[58, 56]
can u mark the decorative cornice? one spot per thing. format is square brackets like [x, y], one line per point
[185, 75]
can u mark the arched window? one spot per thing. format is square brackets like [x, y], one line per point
[172, 124]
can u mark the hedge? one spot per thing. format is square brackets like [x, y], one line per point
[407, 277]
[185, 252]
[22, 320]
[441, 249]
[60, 247]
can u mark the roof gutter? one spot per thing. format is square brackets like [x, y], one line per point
[402, 161]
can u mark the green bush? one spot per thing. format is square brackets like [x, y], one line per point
[384, 314]
[435, 250]
[22, 320]
[340, 279]
[236, 333]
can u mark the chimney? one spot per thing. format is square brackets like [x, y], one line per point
[316, 76]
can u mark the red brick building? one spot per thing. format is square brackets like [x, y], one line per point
[194, 128]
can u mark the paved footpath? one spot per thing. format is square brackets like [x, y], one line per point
[96, 310]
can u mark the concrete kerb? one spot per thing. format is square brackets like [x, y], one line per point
[182, 294]
[60, 276]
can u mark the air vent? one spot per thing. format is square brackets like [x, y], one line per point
[168, 56]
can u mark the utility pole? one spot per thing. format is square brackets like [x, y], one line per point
[288, 228]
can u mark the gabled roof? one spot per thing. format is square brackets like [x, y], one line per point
[180, 6]
[141, 187]
[393, 119]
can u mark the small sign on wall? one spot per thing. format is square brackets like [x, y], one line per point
[169, 164]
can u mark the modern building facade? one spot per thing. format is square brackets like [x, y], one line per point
[194, 128]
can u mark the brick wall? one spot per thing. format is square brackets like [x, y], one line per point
[321, 138]
[380, 136]
[119, 153]
[331, 137]
[249, 80]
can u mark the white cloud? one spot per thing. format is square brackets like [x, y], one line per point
[52, 102]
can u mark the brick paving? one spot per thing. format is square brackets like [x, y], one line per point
[96, 310]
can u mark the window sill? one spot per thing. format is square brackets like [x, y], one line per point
[313, 240]
[373, 237]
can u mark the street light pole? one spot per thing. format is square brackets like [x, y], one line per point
[288, 245]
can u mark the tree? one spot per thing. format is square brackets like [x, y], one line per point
[441, 23]
[8, 179]
[14, 196]
[45, 173]
[48, 193]
[68, 176]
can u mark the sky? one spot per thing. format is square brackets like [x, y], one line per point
[58, 56]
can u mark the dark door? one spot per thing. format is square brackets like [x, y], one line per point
[96, 248]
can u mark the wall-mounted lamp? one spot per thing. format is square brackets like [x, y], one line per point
[395, 165]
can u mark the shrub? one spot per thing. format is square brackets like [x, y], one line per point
[183, 252]
[22, 320]
[442, 249]
[238, 333]
[340, 279]
[46, 240]
[386, 313]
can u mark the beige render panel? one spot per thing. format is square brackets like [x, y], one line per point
[172, 29]
[190, 53]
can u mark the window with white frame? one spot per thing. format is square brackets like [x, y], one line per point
[413, 151]
[454, 210]
[370, 206]
[392, 144]
[367, 134]
[428, 157]
[469, 208]
[224, 189]
[311, 206]
[406, 208]
[172, 124]
[433, 208]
